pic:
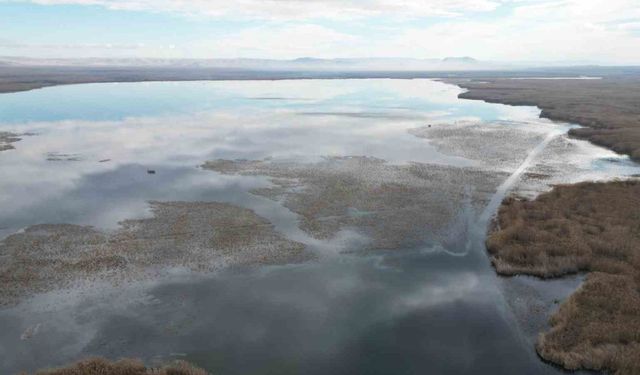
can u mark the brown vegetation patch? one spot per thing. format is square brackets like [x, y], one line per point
[396, 206]
[609, 107]
[101, 366]
[201, 236]
[494, 145]
[590, 227]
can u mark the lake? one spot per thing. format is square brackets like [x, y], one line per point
[399, 281]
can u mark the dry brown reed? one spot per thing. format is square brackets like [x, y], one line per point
[590, 227]
[101, 366]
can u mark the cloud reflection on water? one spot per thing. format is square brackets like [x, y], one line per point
[412, 311]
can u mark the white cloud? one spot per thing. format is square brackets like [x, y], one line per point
[69, 46]
[585, 36]
[534, 30]
[632, 26]
[294, 9]
[283, 42]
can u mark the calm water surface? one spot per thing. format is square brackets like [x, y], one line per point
[413, 311]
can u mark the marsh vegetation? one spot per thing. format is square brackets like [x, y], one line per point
[101, 366]
[200, 236]
[394, 206]
[609, 108]
[587, 227]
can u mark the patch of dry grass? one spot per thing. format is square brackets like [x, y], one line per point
[590, 227]
[101, 366]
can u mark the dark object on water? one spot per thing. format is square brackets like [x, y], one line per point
[429, 125]
[151, 171]
[104, 160]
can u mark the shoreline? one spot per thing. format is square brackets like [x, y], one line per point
[27, 78]
[16, 78]
[606, 109]
[551, 238]
[515, 249]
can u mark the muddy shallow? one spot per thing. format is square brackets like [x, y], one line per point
[367, 200]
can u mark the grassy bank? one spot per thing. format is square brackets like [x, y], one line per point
[100, 366]
[609, 108]
[588, 227]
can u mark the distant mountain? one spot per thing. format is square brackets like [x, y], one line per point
[460, 60]
[299, 64]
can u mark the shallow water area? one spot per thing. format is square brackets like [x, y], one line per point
[107, 181]
[426, 302]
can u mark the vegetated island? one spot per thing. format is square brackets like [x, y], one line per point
[588, 227]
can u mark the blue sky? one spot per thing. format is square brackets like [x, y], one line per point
[497, 30]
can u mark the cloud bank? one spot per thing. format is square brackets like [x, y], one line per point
[601, 31]
[296, 9]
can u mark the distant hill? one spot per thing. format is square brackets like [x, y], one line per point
[460, 60]
[300, 64]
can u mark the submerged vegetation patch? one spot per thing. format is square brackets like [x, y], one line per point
[395, 206]
[587, 227]
[101, 366]
[608, 107]
[200, 236]
[494, 145]
[6, 140]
